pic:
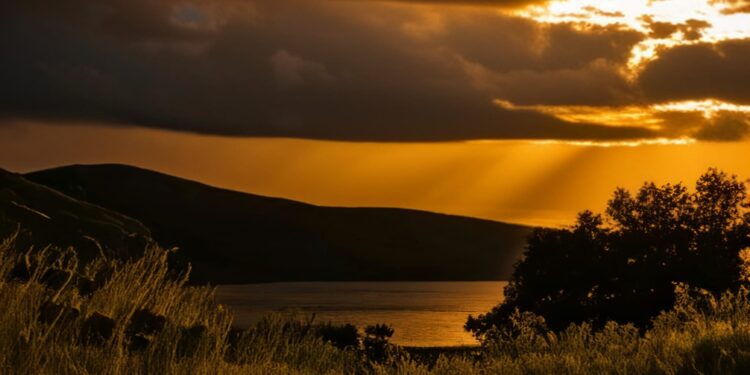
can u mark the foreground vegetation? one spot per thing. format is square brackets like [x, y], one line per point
[622, 266]
[136, 317]
[658, 285]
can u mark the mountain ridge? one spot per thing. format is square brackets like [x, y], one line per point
[39, 216]
[236, 237]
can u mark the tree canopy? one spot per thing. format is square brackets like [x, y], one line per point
[623, 265]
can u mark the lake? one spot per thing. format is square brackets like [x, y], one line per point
[422, 313]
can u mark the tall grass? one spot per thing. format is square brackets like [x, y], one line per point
[31, 346]
[702, 335]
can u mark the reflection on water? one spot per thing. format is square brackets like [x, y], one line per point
[422, 313]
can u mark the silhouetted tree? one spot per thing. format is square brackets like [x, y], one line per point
[623, 266]
[341, 336]
[376, 343]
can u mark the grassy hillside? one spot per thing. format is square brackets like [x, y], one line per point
[233, 237]
[56, 219]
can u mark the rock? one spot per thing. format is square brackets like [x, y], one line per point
[97, 329]
[50, 312]
[138, 343]
[103, 276]
[233, 340]
[190, 339]
[55, 278]
[145, 322]
[86, 287]
[234, 336]
[21, 272]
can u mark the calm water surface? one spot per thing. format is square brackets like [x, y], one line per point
[422, 313]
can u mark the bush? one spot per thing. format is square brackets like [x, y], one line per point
[622, 266]
[344, 336]
[376, 344]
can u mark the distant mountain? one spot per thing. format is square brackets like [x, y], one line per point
[233, 237]
[46, 217]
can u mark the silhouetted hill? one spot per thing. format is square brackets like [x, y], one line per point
[45, 216]
[233, 237]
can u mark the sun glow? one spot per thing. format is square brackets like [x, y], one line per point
[664, 24]
[611, 116]
[693, 21]
[654, 117]
[709, 107]
[537, 183]
[682, 141]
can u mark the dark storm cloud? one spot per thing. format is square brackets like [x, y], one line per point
[506, 44]
[700, 71]
[598, 84]
[329, 70]
[553, 64]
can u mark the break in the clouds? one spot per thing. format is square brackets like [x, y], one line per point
[356, 70]
[734, 6]
[490, 3]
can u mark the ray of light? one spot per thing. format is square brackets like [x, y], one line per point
[538, 184]
[653, 117]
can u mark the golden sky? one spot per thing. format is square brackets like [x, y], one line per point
[517, 110]
[515, 181]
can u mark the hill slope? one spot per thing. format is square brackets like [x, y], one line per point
[45, 216]
[233, 237]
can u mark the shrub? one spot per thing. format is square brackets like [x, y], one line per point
[621, 266]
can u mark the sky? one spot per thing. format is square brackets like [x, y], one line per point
[521, 111]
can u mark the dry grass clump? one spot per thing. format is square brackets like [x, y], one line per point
[137, 317]
[50, 324]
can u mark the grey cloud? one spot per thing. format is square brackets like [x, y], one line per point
[328, 70]
[700, 71]
[506, 44]
[725, 127]
[597, 84]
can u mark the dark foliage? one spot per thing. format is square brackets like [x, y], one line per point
[341, 336]
[376, 344]
[623, 266]
[234, 341]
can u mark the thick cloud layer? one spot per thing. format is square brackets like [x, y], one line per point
[349, 70]
[336, 70]
[700, 71]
